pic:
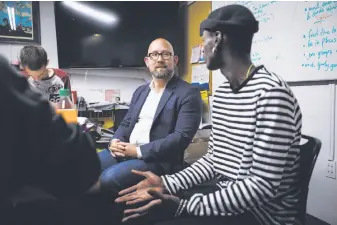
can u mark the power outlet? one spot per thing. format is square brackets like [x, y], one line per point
[331, 172]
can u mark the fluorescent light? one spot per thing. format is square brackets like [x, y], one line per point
[11, 15]
[97, 35]
[95, 14]
[9, 11]
[13, 18]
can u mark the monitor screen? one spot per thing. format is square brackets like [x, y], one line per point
[115, 34]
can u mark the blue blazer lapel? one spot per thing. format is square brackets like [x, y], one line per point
[169, 90]
[139, 104]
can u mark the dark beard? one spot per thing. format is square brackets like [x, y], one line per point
[163, 74]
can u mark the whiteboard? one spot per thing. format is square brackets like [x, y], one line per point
[297, 40]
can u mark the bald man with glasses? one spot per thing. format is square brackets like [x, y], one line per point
[162, 120]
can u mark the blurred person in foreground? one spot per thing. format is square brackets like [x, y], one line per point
[43, 179]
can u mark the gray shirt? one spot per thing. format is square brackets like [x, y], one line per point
[49, 87]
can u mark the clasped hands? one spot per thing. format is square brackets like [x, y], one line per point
[151, 192]
[122, 149]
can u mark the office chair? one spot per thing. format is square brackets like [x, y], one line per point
[119, 115]
[308, 155]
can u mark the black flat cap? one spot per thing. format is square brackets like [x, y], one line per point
[230, 18]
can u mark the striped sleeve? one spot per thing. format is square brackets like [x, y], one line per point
[199, 172]
[274, 135]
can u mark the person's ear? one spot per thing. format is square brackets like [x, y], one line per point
[175, 60]
[217, 40]
[146, 60]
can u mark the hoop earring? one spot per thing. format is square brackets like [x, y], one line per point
[214, 49]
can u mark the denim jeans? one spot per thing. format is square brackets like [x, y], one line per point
[116, 174]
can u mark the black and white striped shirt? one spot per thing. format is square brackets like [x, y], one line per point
[253, 151]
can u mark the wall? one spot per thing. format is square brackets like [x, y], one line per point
[48, 36]
[316, 102]
[91, 83]
[196, 13]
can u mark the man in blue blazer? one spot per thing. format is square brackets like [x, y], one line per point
[160, 124]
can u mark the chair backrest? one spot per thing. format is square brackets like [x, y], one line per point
[119, 115]
[308, 155]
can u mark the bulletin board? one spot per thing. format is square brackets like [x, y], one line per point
[197, 12]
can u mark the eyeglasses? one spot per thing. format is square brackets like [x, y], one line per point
[164, 55]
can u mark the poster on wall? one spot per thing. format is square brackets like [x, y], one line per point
[112, 95]
[20, 22]
[195, 55]
[202, 54]
[200, 74]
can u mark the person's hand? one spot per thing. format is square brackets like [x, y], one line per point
[138, 196]
[139, 192]
[166, 203]
[115, 149]
[129, 150]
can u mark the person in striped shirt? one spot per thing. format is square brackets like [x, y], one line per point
[253, 151]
